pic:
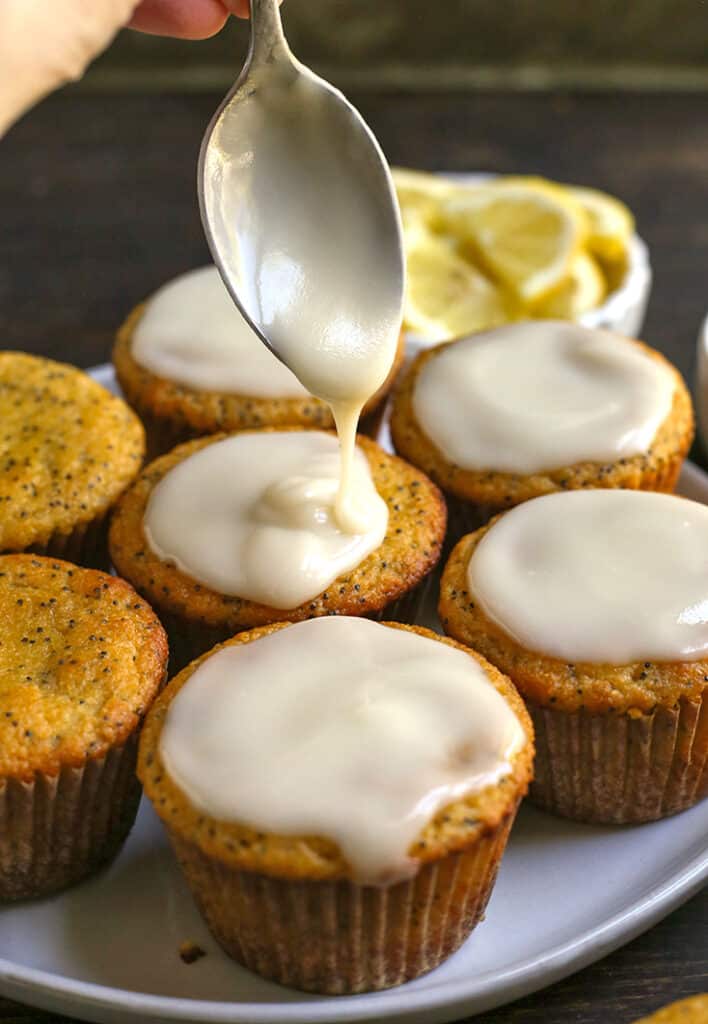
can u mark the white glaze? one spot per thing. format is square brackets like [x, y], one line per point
[253, 516]
[342, 728]
[541, 395]
[605, 576]
[192, 332]
[308, 246]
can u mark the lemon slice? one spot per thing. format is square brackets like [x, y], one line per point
[420, 196]
[446, 296]
[584, 289]
[524, 235]
[611, 224]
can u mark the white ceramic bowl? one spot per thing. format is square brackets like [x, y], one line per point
[622, 311]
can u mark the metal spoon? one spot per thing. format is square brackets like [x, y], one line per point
[300, 213]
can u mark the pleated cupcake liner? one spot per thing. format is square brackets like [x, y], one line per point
[85, 545]
[58, 829]
[465, 517]
[620, 769]
[340, 938]
[418, 606]
[189, 640]
[163, 434]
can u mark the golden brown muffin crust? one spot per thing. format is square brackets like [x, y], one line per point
[81, 659]
[314, 857]
[68, 449]
[656, 469]
[410, 549]
[688, 1011]
[194, 413]
[550, 682]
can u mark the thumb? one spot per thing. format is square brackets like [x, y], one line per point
[39, 53]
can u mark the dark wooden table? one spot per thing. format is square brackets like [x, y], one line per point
[98, 207]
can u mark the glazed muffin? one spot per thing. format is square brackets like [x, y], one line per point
[68, 449]
[190, 365]
[595, 604]
[82, 657]
[189, 532]
[693, 1010]
[532, 408]
[381, 839]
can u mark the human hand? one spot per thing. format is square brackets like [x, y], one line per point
[186, 19]
[40, 51]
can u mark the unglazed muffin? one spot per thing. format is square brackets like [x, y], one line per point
[539, 407]
[693, 1010]
[197, 615]
[591, 603]
[174, 365]
[68, 449]
[82, 657]
[293, 904]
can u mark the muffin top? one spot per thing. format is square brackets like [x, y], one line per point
[258, 516]
[538, 395]
[414, 527]
[312, 750]
[192, 332]
[589, 599]
[533, 399]
[188, 357]
[68, 448]
[81, 659]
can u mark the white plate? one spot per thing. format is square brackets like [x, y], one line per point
[567, 894]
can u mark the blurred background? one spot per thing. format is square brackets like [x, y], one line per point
[98, 208]
[97, 185]
[417, 45]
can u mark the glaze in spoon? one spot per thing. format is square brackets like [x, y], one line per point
[300, 213]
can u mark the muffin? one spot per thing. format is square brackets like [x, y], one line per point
[595, 604]
[81, 659]
[693, 1010]
[190, 365]
[198, 496]
[532, 408]
[381, 840]
[68, 449]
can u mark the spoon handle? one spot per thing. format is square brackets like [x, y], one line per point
[268, 43]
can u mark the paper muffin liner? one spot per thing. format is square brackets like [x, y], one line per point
[189, 640]
[620, 769]
[465, 517]
[340, 938]
[57, 829]
[418, 606]
[162, 434]
[86, 544]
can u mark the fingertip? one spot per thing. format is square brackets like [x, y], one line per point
[182, 19]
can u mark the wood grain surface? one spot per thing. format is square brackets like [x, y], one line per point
[98, 208]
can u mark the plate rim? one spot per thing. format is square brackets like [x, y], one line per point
[480, 992]
[520, 979]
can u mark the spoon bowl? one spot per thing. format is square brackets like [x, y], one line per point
[300, 213]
